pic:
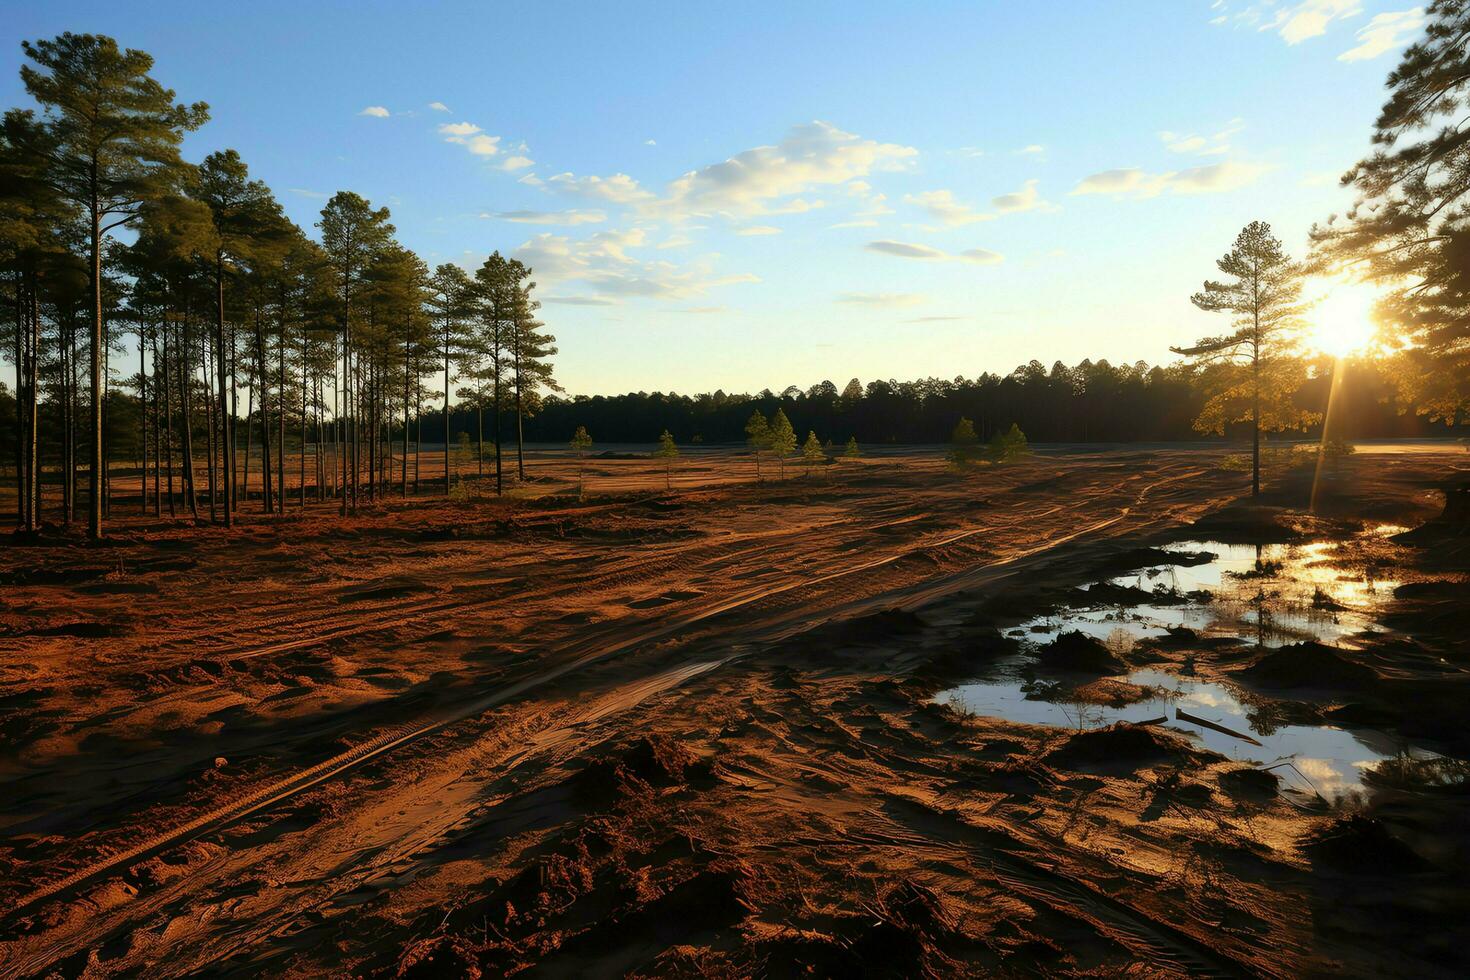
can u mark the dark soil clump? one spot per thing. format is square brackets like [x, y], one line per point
[1255, 785]
[1361, 844]
[1309, 665]
[1120, 748]
[1079, 653]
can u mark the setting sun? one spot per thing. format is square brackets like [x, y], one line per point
[1341, 319]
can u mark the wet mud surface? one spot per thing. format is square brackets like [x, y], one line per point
[899, 722]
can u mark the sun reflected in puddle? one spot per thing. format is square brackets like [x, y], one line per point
[1267, 595]
[1272, 595]
[1308, 759]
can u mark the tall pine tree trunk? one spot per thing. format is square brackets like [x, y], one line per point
[249, 440]
[22, 477]
[33, 437]
[281, 418]
[209, 433]
[520, 435]
[168, 421]
[499, 479]
[143, 419]
[188, 423]
[265, 425]
[407, 370]
[94, 504]
[226, 430]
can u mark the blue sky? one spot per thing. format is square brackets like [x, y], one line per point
[757, 195]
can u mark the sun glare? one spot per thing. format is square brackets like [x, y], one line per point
[1341, 320]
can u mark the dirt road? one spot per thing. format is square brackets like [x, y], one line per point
[235, 751]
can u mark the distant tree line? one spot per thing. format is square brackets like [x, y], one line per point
[1088, 402]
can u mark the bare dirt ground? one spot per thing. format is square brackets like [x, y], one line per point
[693, 733]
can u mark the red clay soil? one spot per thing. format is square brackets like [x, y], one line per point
[658, 733]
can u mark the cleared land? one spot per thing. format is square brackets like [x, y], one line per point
[694, 732]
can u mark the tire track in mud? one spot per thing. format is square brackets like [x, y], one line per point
[1007, 865]
[557, 730]
[395, 738]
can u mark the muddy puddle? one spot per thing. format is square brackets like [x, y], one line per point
[1330, 592]
[1271, 595]
[1335, 763]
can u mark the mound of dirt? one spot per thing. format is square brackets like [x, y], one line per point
[653, 762]
[1248, 524]
[1255, 785]
[1309, 665]
[1109, 593]
[1079, 653]
[1120, 748]
[661, 761]
[907, 933]
[1434, 589]
[438, 957]
[872, 628]
[1360, 844]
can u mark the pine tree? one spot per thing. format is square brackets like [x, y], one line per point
[34, 221]
[531, 349]
[352, 233]
[451, 303]
[758, 437]
[668, 452]
[963, 444]
[242, 210]
[1257, 369]
[811, 452]
[496, 301]
[782, 439]
[1009, 446]
[581, 444]
[113, 138]
[852, 451]
[1409, 228]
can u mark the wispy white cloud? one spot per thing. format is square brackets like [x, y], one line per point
[579, 300]
[857, 223]
[475, 139]
[1133, 182]
[755, 181]
[1295, 22]
[1384, 33]
[458, 130]
[1311, 18]
[910, 250]
[617, 189]
[934, 319]
[376, 111]
[1034, 150]
[572, 217]
[751, 231]
[438, 107]
[650, 142]
[1028, 198]
[1200, 145]
[314, 195]
[944, 207]
[603, 263]
[885, 300]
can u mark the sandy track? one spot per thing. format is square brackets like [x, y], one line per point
[816, 570]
